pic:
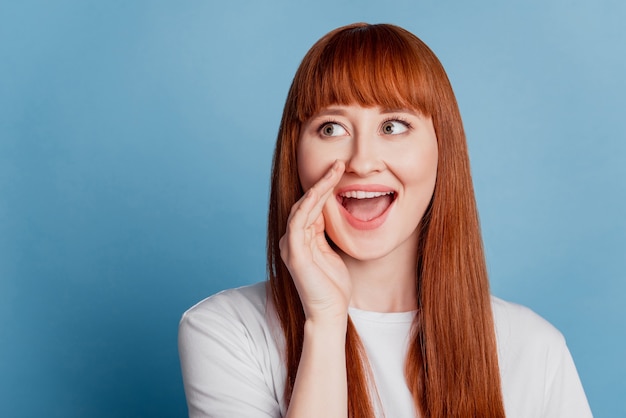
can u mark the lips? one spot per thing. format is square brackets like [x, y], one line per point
[366, 206]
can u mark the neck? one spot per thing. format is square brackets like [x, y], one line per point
[386, 284]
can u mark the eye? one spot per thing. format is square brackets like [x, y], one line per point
[332, 129]
[394, 127]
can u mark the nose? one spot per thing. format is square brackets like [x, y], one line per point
[364, 158]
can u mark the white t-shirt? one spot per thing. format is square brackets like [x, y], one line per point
[232, 357]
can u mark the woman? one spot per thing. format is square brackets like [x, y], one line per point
[378, 301]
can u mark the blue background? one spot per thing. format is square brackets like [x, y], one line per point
[135, 147]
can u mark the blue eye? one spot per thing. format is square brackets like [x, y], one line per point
[393, 127]
[332, 129]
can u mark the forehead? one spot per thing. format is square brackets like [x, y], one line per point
[350, 83]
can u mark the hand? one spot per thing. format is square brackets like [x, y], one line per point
[319, 274]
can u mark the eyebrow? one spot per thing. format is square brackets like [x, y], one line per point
[400, 110]
[331, 111]
[339, 111]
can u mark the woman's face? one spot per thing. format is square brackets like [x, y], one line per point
[391, 167]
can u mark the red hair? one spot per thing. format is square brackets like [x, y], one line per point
[451, 366]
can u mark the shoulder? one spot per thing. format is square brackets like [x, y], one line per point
[238, 316]
[529, 347]
[242, 310]
[250, 299]
[538, 375]
[517, 324]
[229, 355]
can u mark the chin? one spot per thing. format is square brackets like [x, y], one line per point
[362, 251]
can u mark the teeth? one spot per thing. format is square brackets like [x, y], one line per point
[360, 194]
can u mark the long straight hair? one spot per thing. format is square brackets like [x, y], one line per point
[451, 367]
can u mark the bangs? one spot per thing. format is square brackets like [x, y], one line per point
[368, 65]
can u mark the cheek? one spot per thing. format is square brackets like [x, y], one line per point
[420, 168]
[312, 165]
[428, 163]
[308, 174]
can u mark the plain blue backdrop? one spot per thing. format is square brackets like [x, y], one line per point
[135, 147]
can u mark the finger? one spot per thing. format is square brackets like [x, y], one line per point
[323, 189]
[295, 207]
[295, 234]
[298, 212]
[309, 206]
[323, 185]
[330, 178]
[305, 214]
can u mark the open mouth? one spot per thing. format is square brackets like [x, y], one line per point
[366, 206]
